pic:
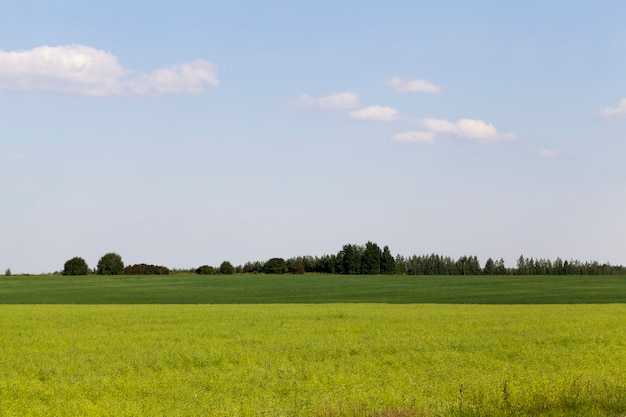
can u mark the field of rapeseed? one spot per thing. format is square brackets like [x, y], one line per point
[312, 360]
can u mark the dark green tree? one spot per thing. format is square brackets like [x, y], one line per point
[521, 266]
[226, 268]
[350, 259]
[567, 267]
[474, 265]
[461, 266]
[252, 267]
[387, 262]
[75, 266]
[205, 270]
[110, 264]
[328, 264]
[557, 267]
[309, 263]
[370, 260]
[275, 266]
[401, 265]
[490, 267]
[500, 267]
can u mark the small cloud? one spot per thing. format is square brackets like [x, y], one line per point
[334, 101]
[15, 157]
[403, 85]
[189, 78]
[427, 138]
[83, 70]
[547, 153]
[378, 113]
[619, 111]
[473, 129]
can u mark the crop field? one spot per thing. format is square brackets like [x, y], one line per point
[312, 360]
[314, 345]
[279, 289]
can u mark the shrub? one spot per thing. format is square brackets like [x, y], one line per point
[75, 266]
[144, 269]
[110, 264]
[7, 273]
[205, 270]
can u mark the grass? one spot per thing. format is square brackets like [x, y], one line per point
[312, 360]
[277, 289]
[314, 345]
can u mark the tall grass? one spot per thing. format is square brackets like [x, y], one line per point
[312, 360]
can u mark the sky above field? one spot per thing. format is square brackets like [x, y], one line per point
[191, 132]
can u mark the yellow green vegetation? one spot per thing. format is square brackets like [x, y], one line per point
[312, 360]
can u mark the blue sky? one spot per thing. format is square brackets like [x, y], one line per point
[191, 132]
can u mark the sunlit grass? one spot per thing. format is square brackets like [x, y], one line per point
[312, 360]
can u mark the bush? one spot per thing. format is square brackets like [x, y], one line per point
[110, 264]
[7, 273]
[144, 269]
[205, 270]
[275, 266]
[75, 266]
[227, 268]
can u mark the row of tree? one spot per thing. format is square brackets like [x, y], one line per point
[368, 259]
[226, 268]
[111, 264]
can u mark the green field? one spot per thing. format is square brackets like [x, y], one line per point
[263, 289]
[312, 360]
[315, 345]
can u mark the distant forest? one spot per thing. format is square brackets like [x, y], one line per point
[371, 259]
[368, 259]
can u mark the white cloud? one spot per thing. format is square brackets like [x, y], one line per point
[378, 113]
[415, 137]
[334, 101]
[619, 111]
[192, 77]
[472, 129]
[79, 69]
[546, 153]
[402, 85]
[440, 126]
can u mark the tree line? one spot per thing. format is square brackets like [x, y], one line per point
[111, 264]
[368, 259]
